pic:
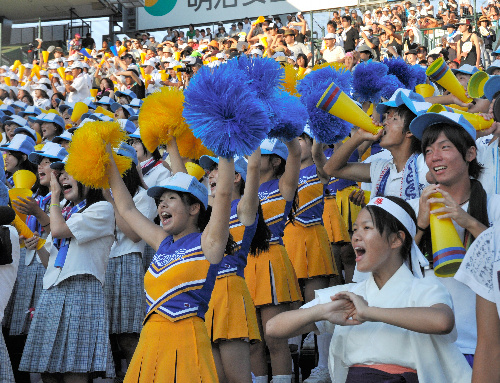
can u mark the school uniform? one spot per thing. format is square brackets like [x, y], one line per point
[231, 313]
[70, 329]
[124, 287]
[306, 240]
[270, 277]
[174, 345]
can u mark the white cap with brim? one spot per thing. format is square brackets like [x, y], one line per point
[65, 136]
[414, 101]
[184, 183]
[240, 164]
[465, 69]
[50, 150]
[425, 120]
[274, 146]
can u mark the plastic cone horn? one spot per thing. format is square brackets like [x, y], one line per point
[143, 57]
[85, 53]
[475, 87]
[24, 179]
[113, 50]
[45, 55]
[25, 231]
[16, 65]
[61, 72]
[22, 69]
[122, 50]
[477, 121]
[100, 109]
[447, 248]
[36, 71]
[93, 92]
[336, 102]
[78, 110]
[7, 81]
[14, 195]
[259, 20]
[439, 72]
[425, 90]
[177, 56]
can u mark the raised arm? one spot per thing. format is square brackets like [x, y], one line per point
[147, 230]
[290, 179]
[249, 203]
[319, 159]
[58, 227]
[216, 233]
[177, 165]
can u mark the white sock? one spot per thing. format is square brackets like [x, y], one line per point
[260, 379]
[282, 378]
[323, 349]
[297, 340]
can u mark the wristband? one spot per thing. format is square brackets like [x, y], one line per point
[54, 204]
[422, 229]
[46, 225]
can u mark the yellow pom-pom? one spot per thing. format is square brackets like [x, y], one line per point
[160, 117]
[191, 147]
[289, 82]
[335, 65]
[88, 160]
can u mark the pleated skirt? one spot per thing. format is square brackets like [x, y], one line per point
[231, 312]
[348, 210]
[70, 330]
[333, 222]
[9, 309]
[124, 290]
[309, 250]
[147, 257]
[271, 278]
[172, 352]
[6, 373]
[27, 294]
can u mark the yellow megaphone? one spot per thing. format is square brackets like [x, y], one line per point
[439, 72]
[146, 79]
[177, 56]
[179, 74]
[195, 170]
[25, 231]
[16, 65]
[475, 87]
[425, 90]
[22, 69]
[263, 41]
[36, 71]
[121, 50]
[143, 57]
[164, 75]
[101, 110]
[336, 102]
[142, 72]
[69, 77]
[447, 248]
[259, 20]
[78, 110]
[24, 179]
[7, 81]
[93, 92]
[301, 71]
[14, 195]
[45, 55]
[61, 72]
[477, 121]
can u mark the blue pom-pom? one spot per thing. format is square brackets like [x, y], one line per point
[289, 116]
[213, 109]
[370, 82]
[418, 75]
[342, 78]
[402, 70]
[391, 84]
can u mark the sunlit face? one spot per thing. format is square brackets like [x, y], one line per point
[463, 79]
[142, 155]
[49, 131]
[174, 213]
[393, 130]
[213, 176]
[9, 130]
[44, 172]
[11, 163]
[69, 188]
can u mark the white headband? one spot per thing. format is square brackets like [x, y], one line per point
[417, 258]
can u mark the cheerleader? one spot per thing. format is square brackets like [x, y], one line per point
[231, 318]
[69, 335]
[174, 345]
[124, 287]
[270, 276]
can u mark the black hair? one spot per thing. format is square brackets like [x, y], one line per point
[24, 164]
[30, 102]
[460, 139]
[306, 136]
[387, 224]
[306, 60]
[433, 56]
[262, 236]
[333, 23]
[132, 180]
[347, 18]
[407, 115]
[93, 195]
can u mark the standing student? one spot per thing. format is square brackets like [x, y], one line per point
[231, 318]
[124, 287]
[394, 325]
[69, 337]
[270, 276]
[174, 345]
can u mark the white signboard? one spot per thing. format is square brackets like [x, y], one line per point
[160, 14]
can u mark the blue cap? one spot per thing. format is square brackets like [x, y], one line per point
[414, 101]
[127, 125]
[307, 130]
[466, 69]
[240, 164]
[19, 104]
[7, 109]
[127, 150]
[66, 105]
[182, 182]
[49, 117]
[49, 150]
[114, 107]
[59, 165]
[136, 103]
[99, 117]
[27, 130]
[18, 120]
[125, 92]
[274, 146]
[30, 110]
[65, 136]
[420, 123]
[491, 87]
[136, 134]
[20, 143]
[105, 100]
[135, 117]
[494, 65]
[89, 102]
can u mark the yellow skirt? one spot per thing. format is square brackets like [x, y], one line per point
[348, 210]
[172, 352]
[309, 250]
[231, 312]
[334, 224]
[271, 279]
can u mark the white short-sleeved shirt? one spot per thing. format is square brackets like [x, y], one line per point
[88, 252]
[8, 273]
[487, 155]
[156, 175]
[124, 245]
[82, 90]
[336, 54]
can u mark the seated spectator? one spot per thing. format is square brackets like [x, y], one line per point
[294, 46]
[332, 52]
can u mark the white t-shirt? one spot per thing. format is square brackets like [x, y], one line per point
[335, 54]
[88, 252]
[487, 155]
[82, 90]
[124, 245]
[156, 175]
[8, 273]
[380, 343]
